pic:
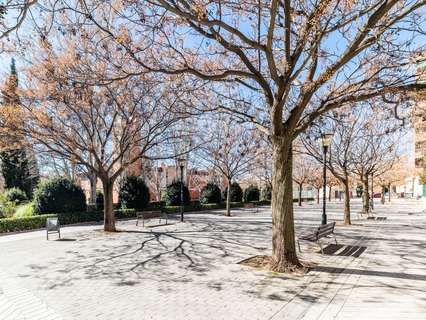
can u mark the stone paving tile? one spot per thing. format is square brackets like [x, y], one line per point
[189, 270]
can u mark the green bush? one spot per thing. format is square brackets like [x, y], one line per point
[172, 195]
[99, 200]
[7, 208]
[25, 210]
[58, 195]
[251, 194]
[16, 195]
[266, 193]
[134, 194]
[26, 223]
[210, 194]
[236, 193]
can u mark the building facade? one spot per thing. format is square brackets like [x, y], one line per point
[419, 119]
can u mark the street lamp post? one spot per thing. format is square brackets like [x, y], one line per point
[325, 141]
[181, 163]
[372, 192]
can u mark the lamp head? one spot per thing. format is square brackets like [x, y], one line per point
[325, 139]
[181, 162]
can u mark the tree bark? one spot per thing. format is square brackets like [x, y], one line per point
[318, 191]
[329, 193]
[93, 182]
[383, 194]
[300, 194]
[365, 194]
[109, 216]
[347, 211]
[228, 199]
[389, 192]
[284, 257]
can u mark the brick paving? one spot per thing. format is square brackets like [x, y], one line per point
[190, 270]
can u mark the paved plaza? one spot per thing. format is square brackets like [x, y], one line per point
[190, 270]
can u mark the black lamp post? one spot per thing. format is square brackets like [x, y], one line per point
[181, 163]
[325, 141]
[372, 191]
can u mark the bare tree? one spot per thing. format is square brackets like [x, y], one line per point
[302, 173]
[339, 164]
[316, 180]
[104, 128]
[231, 149]
[13, 14]
[373, 152]
[263, 165]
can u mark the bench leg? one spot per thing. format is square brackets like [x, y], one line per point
[335, 240]
[298, 244]
[319, 243]
[47, 235]
[137, 220]
[59, 233]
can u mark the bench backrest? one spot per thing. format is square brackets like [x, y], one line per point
[325, 230]
[52, 224]
[150, 214]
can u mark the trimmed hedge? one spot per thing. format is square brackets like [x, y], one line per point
[39, 221]
[262, 202]
[304, 199]
[25, 223]
[93, 216]
[156, 205]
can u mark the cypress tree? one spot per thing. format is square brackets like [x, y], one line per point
[18, 163]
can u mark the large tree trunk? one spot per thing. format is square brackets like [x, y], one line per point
[383, 194]
[228, 199]
[284, 257]
[389, 192]
[365, 195]
[93, 179]
[347, 211]
[109, 217]
[300, 194]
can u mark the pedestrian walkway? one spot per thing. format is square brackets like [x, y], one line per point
[190, 270]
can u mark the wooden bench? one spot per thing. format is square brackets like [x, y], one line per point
[53, 226]
[148, 215]
[320, 232]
